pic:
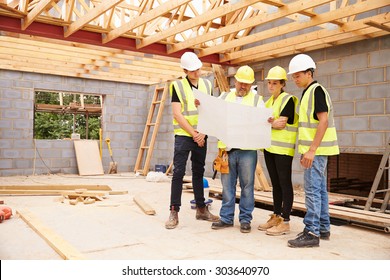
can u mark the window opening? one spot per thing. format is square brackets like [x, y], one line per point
[65, 115]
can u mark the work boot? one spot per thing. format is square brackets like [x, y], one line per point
[273, 221]
[204, 214]
[305, 239]
[325, 235]
[245, 227]
[220, 225]
[281, 228]
[173, 220]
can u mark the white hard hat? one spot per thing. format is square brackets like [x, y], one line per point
[301, 62]
[190, 61]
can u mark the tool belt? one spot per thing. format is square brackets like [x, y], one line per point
[221, 163]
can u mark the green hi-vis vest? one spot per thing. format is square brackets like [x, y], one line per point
[251, 99]
[308, 125]
[283, 140]
[188, 109]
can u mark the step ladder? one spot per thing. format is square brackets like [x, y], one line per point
[152, 124]
[374, 188]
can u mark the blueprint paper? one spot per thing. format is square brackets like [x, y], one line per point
[238, 126]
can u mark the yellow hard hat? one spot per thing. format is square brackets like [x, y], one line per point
[245, 74]
[276, 73]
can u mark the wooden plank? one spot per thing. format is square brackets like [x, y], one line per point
[169, 169]
[258, 186]
[56, 187]
[345, 213]
[60, 245]
[144, 206]
[263, 180]
[222, 82]
[88, 157]
[30, 192]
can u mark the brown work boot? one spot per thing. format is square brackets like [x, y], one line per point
[281, 228]
[173, 220]
[273, 221]
[204, 214]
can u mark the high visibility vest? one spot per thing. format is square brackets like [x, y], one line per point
[251, 99]
[188, 109]
[308, 125]
[283, 140]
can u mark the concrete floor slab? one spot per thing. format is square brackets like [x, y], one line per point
[117, 229]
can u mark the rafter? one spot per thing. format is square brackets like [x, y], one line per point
[144, 18]
[34, 13]
[91, 15]
[290, 27]
[219, 31]
[305, 41]
[248, 23]
[217, 12]
[378, 25]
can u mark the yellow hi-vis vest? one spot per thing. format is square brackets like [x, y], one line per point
[308, 125]
[188, 109]
[251, 99]
[283, 140]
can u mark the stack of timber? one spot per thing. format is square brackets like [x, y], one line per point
[49, 189]
[356, 216]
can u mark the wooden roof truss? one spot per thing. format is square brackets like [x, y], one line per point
[234, 32]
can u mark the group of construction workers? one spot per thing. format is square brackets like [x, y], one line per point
[312, 124]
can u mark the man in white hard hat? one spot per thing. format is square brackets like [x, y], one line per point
[242, 163]
[317, 139]
[188, 139]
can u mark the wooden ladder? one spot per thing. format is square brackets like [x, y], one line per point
[375, 184]
[152, 124]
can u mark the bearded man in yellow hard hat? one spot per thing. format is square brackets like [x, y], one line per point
[242, 163]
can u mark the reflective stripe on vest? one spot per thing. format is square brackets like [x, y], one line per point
[251, 99]
[283, 140]
[308, 125]
[187, 100]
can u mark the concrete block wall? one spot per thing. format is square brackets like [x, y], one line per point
[357, 76]
[124, 115]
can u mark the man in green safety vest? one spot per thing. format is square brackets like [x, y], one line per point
[188, 139]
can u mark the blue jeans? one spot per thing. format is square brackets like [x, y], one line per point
[316, 197]
[242, 165]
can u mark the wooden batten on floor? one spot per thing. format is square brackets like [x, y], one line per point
[61, 246]
[144, 206]
[56, 187]
[50, 189]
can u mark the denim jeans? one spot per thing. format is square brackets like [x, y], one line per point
[316, 197]
[242, 165]
[183, 146]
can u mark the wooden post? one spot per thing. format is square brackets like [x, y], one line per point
[263, 181]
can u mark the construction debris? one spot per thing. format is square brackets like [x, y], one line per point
[61, 246]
